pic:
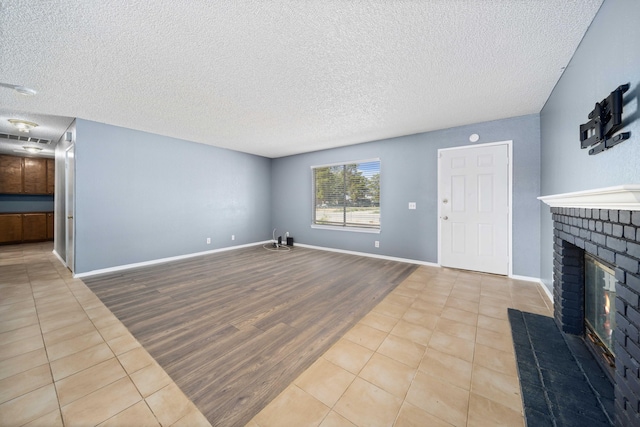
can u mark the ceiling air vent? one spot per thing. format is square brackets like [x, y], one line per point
[24, 138]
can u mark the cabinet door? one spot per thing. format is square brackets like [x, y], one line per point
[35, 176]
[34, 226]
[51, 175]
[10, 174]
[50, 226]
[10, 228]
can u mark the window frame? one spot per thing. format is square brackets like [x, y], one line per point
[344, 227]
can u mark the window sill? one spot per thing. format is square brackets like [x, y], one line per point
[351, 229]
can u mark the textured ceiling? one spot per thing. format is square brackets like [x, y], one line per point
[276, 78]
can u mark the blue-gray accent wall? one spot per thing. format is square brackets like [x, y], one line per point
[608, 56]
[142, 197]
[409, 174]
[12, 203]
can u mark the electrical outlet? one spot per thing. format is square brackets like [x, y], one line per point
[233, 237]
[208, 240]
[412, 205]
[376, 244]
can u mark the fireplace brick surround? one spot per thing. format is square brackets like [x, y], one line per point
[613, 236]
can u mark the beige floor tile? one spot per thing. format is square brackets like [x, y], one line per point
[399, 299]
[14, 323]
[412, 332]
[333, 419]
[24, 382]
[29, 407]
[447, 368]
[461, 304]
[460, 316]
[102, 404]
[440, 399]
[422, 318]
[497, 387]
[136, 359]
[493, 324]
[406, 292]
[390, 309]
[293, 407]
[194, 418]
[500, 361]
[412, 416]
[21, 346]
[69, 332]
[89, 380]
[463, 293]
[52, 419]
[114, 331]
[366, 336]
[325, 381]
[495, 311]
[487, 413]
[73, 345]
[20, 334]
[150, 379]
[348, 355]
[123, 344]
[364, 404]
[169, 404]
[429, 306]
[379, 321]
[61, 320]
[456, 329]
[24, 362]
[453, 346]
[403, 350]
[138, 415]
[388, 374]
[497, 340]
[80, 361]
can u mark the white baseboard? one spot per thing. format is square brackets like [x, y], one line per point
[162, 260]
[389, 258]
[59, 258]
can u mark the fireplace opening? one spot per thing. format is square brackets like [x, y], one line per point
[599, 311]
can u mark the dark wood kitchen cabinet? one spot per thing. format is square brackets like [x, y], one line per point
[10, 228]
[26, 227]
[26, 175]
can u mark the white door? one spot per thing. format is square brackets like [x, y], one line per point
[473, 191]
[69, 183]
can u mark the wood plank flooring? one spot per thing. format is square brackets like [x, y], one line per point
[233, 329]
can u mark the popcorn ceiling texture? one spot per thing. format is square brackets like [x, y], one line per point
[276, 78]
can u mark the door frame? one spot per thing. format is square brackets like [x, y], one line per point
[69, 209]
[509, 144]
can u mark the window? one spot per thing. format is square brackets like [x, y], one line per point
[347, 195]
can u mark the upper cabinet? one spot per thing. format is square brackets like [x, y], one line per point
[26, 175]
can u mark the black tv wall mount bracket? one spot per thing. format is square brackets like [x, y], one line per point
[605, 120]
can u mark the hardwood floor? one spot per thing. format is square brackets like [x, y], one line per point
[234, 329]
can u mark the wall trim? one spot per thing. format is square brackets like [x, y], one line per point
[164, 260]
[619, 197]
[365, 254]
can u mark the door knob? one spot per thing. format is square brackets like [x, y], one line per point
[445, 218]
[70, 217]
[445, 201]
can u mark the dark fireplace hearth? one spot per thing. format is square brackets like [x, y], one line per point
[606, 313]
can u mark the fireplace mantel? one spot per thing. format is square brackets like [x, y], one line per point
[621, 197]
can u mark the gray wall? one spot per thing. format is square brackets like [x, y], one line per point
[409, 174]
[608, 56]
[142, 197]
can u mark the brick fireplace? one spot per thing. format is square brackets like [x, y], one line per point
[605, 224]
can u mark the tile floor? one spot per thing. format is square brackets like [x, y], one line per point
[436, 351]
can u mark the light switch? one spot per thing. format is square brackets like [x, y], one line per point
[412, 205]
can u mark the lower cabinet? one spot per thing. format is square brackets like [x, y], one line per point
[26, 227]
